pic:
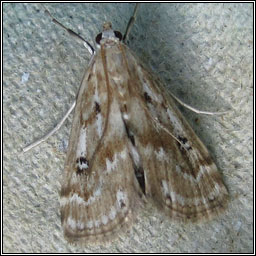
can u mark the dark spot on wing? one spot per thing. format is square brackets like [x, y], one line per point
[131, 137]
[169, 197]
[183, 141]
[89, 77]
[139, 173]
[82, 165]
[122, 204]
[129, 134]
[97, 107]
[147, 97]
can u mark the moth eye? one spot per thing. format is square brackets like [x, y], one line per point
[118, 35]
[98, 38]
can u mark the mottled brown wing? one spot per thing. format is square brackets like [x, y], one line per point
[99, 193]
[179, 173]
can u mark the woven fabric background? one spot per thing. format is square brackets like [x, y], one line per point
[203, 53]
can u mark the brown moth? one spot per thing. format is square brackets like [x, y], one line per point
[130, 144]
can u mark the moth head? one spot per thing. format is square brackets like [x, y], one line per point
[107, 26]
[109, 34]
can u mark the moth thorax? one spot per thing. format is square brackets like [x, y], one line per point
[108, 34]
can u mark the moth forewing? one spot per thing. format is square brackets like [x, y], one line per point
[99, 192]
[130, 142]
[180, 175]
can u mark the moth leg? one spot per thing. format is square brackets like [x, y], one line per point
[55, 129]
[71, 32]
[197, 110]
[131, 22]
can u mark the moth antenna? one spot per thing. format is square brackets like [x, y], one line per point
[71, 32]
[131, 22]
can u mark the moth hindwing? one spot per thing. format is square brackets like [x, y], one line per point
[129, 143]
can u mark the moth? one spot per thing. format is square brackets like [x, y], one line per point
[129, 145]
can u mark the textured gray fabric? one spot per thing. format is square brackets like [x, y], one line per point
[203, 52]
